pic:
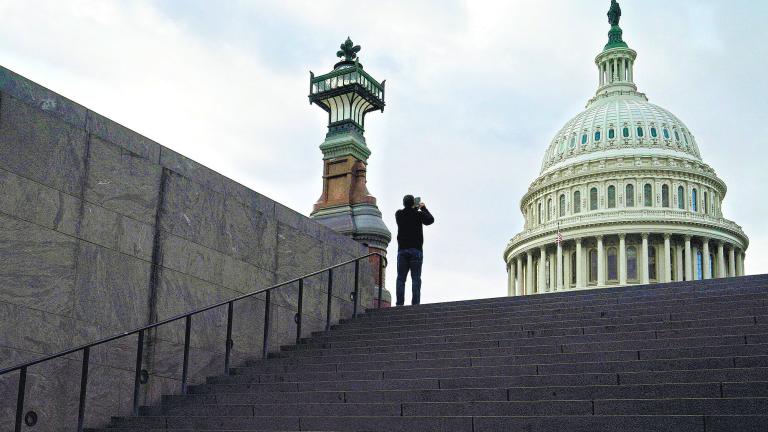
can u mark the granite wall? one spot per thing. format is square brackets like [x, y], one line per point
[103, 230]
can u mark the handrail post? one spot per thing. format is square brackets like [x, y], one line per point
[357, 288]
[137, 375]
[228, 347]
[298, 311]
[265, 347]
[381, 279]
[328, 302]
[185, 366]
[20, 398]
[83, 389]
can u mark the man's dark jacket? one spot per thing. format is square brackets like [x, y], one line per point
[409, 227]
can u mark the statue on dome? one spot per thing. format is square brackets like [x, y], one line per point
[614, 14]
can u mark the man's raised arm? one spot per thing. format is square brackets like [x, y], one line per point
[426, 216]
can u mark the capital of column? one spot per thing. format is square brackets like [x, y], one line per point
[577, 240]
[667, 236]
[599, 237]
[687, 238]
[622, 236]
[644, 235]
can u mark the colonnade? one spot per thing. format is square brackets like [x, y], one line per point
[621, 259]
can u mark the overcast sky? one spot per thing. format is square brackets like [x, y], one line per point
[475, 92]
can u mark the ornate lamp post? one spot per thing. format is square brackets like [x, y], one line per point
[347, 94]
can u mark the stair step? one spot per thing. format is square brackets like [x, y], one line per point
[677, 357]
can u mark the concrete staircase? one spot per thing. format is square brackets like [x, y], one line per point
[672, 357]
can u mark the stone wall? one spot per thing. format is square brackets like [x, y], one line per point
[103, 230]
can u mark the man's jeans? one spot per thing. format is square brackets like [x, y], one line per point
[409, 260]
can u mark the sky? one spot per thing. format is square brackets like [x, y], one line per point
[475, 92]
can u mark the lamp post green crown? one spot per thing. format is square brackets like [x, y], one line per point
[615, 34]
[348, 50]
[347, 94]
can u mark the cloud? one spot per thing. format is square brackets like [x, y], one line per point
[475, 92]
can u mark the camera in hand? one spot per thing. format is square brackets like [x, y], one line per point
[416, 202]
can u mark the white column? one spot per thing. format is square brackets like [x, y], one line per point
[743, 263]
[520, 283]
[622, 259]
[731, 261]
[529, 274]
[644, 268]
[600, 262]
[739, 264]
[688, 260]
[559, 266]
[679, 270]
[602, 74]
[720, 260]
[579, 265]
[667, 259]
[705, 257]
[542, 286]
[511, 279]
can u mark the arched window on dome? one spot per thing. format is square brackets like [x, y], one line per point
[573, 142]
[699, 266]
[593, 266]
[632, 263]
[593, 199]
[706, 203]
[584, 139]
[598, 136]
[666, 133]
[549, 209]
[648, 195]
[562, 205]
[611, 133]
[577, 202]
[681, 198]
[685, 137]
[540, 214]
[630, 195]
[694, 201]
[652, 263]
[613, 270]
[640, 132]
[654, 132]
[677, 136]
[562, 146]
[665, 196]
[625, 132]
[611, 196]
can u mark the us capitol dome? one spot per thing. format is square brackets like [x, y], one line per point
[623, 197]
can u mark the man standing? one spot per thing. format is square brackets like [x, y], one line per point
[410, 238]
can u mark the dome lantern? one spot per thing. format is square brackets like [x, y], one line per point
[616, 63]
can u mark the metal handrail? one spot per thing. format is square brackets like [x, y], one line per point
[188, 321]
